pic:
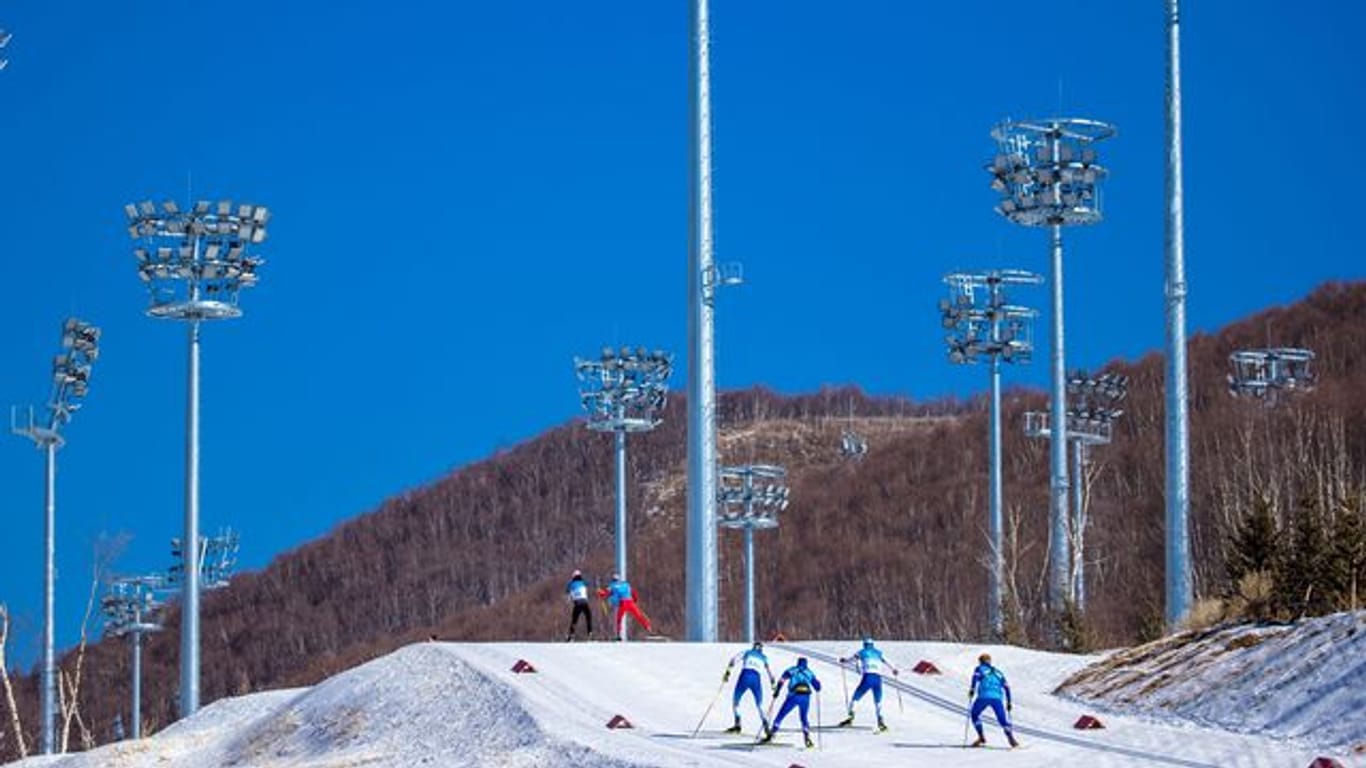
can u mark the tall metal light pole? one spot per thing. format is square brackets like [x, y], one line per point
[70, 383]
[623, 392]
[982, 323]
[1047, 174]
[195, 263]
[748, 507]
[1179, 587]
[1090, 422]
[130, 610]
[701, 564]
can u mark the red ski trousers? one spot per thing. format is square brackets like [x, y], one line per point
[629, 606]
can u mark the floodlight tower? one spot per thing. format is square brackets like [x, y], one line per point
[1178, 564]
[1047, 174]
[195, 264]
[1268, 374]
[748, 507]
[217, 559]
[130, 609]
[982, 323]
[70, 384]
[623, 392]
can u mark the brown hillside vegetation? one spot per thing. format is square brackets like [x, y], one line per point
[892, 544]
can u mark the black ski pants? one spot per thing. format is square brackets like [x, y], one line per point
[581, 607]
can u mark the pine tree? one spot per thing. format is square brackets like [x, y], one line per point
[1347, 565]
[1304, 585]
[1254, 543]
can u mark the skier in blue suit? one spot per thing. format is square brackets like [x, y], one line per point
[751, 663]
[871, 663]
[989, 685]
[801, 682]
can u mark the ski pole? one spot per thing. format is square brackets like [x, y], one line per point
[967, 712]
[899, 706]
[844, 683]
[820, 726]
[768, 718]
[714, 699]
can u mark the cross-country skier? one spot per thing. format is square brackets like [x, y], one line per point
[751, 663]
[871, 663]
[577, 590]
[801, 682]
[988, 684]
[621, 595]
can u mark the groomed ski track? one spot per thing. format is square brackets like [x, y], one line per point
[460, 704]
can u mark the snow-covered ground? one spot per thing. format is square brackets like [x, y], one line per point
[455, 704]
[1305, 682]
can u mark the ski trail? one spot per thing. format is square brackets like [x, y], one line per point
[1040, 733]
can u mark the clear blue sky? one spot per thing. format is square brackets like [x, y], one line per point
[468, 194]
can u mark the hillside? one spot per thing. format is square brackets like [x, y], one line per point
[459, 705]
[1288, 681]
[890, 544]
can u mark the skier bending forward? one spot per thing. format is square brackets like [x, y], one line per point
[871, 663]
[751, 663]
[988, 683]
[801, 682]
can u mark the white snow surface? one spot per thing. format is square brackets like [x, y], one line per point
[459, 704]
[1305, 681]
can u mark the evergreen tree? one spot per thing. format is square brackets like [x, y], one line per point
[1254, 543]
[1304, 585]
[1347, 566]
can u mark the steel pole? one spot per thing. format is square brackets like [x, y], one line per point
[701, 571]
[189, 544]
[621, 509]
[995, 607]
[49, 696]
[1178, 439]
[137, 680]
[749, 584]
[1079, 525]
[1057, 564]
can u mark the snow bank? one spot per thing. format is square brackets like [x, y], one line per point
[1305, 681]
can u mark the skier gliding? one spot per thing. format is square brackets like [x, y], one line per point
[988, 683]
[577, 590]
[871, 663]
[751, 662]
[620, 593]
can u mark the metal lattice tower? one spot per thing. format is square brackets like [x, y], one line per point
[131, 609]
[1269, 374]
[1090, 422]
[1048, 175]
[749, 506]
[70, 384]
[623, 392]
[195, 263]
[982, 323]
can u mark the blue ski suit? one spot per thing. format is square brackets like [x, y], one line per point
[989, 685]
[871, 664]
[801, 682]
[751, 663]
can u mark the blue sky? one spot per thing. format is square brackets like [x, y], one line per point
[468, 194]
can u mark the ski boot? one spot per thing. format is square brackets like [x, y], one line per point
[809, 742]
[846, 722]
[1011, 738]
[736, 728]
[881, 726]
[768, 736]
[981, 742]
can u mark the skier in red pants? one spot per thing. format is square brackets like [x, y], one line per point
[620, 594]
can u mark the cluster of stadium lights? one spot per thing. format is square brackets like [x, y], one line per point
[1264, 374]
[217, 560]
[197, 260]
[70, 384]
[750, 505]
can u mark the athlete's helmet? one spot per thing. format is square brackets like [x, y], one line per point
[758, 646]
[616, 577]
[801, 661]
[577, 573]
[984, 658]
[867, 641]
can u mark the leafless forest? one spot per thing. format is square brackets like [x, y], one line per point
[893, 544]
